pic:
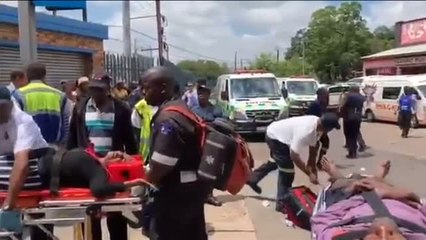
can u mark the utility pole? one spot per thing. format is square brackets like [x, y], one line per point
[126, 29]
[241, 63]
[27, 32]
[135, 45]
[278, 55]
[235, 61]
[159, 31]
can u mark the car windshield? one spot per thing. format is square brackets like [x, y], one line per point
[302, 87]
[422, 89]
[254, 87]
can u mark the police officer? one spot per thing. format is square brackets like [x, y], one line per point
[178, 208]
[351, 111]
[318, 108]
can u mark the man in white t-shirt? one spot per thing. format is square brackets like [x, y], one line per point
[20, 140]
[287, 139]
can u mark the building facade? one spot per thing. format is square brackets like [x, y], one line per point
[69, 48]
[409, 57]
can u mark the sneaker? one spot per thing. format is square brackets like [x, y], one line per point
[279, 207]
[211, 200]
[255, 187]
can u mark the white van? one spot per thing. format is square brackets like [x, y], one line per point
[251, 98]
[299, 93]
[382, 94]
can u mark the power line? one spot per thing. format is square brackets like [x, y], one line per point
[173, 46]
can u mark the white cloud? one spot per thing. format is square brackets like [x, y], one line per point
[218, 29]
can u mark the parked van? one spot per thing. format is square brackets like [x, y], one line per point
[336, 92]
[382, 94]
[299, 93]
[251, 98]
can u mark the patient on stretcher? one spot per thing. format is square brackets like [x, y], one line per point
[346, 210]
[80, 169]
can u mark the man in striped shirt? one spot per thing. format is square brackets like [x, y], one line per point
[104, 123]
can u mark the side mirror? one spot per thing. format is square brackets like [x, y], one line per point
[224, 95]
[284, 92]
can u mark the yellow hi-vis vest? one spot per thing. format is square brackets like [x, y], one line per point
[145, 111]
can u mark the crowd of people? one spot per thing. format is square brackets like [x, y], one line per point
[91, 124]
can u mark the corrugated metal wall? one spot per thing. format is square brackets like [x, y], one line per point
[127, 69]
[60, 65]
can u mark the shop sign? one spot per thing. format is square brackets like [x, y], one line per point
[413, 32]
[60, 5]
[410, 61]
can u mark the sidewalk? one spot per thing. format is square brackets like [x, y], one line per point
[231, 221]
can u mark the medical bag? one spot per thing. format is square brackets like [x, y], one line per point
[220, 147]
[125, 171]
[299, 204]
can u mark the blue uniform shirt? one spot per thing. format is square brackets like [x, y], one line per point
[209, 113]
[406, 103]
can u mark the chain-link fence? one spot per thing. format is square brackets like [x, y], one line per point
[127, 69]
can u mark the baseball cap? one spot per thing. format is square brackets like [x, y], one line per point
[82, 80]
[5, 95]
[100, 80]
[330, 121]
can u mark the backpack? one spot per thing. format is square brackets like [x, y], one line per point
[225, 158]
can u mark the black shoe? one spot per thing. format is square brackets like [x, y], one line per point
[255, 187]
[211, 200]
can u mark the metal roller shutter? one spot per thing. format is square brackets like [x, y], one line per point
[60, 65]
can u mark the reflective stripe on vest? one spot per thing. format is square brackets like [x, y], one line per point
[39, 99]
[146, 112]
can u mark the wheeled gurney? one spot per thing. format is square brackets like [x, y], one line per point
[71, 207]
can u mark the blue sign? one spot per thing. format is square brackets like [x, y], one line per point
[60, 5]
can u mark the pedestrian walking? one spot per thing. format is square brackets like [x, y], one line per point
[405, 111]
[287, 139]
[17, 80]
[178, 206]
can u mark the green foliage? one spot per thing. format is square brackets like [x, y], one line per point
[206, 69]
[292, 67]
[335, 40]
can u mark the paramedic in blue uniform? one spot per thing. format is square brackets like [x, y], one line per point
[351, 111]
[21, 147]
[208, 113]
[318, 108]
[178, 207]
[287, 140]
[405, 110]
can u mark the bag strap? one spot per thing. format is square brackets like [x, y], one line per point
[55, 171]
[192, 117]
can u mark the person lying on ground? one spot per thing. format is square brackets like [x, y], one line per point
[344, 206]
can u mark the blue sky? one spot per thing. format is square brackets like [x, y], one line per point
[215, 30]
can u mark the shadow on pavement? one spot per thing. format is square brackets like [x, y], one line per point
[230, 198]
[254, 138]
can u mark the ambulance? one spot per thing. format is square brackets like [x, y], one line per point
[383, 92]
[299, 93]
[251, 98]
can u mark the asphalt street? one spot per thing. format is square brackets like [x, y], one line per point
[408, 170]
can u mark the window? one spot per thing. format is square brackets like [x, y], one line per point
[254, 87]
[335, 90]
[355, 80]
[391, 93]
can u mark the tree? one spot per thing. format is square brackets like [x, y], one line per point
[291, 67]
[296, 45]
[335, 40]
[206, 69]
[383, 39]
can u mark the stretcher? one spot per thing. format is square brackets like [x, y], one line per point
[71, 207]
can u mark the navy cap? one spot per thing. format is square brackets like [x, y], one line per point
[330, 121]
[5, 95]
